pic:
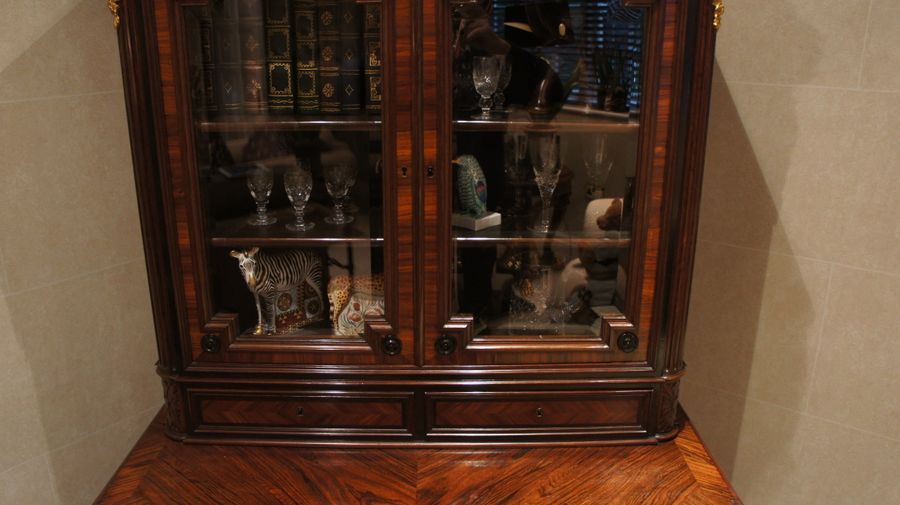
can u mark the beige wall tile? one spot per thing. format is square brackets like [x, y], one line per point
[722, 323]
[857, 376]
[881, 59]
[67, 204]
[23, 435]
[28, 483]
[755, 321]
[82, 468]
[717, 416]
[22, 23]
[769, 455]
[13, 362]
[793, 41]
[79, 54]
[843, 465]
[92, 353]
[2, 274]
[804, 171]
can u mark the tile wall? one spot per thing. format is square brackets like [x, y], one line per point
[77, 384]
[795, 311]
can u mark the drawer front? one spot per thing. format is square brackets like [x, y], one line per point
[587, 409]
[308, 410]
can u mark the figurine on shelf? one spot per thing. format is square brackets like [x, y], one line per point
[270, 273]
[352, 298]
[471, 187]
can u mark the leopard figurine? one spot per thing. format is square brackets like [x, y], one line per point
[341, 287]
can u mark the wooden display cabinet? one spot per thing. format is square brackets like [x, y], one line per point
[505, 335]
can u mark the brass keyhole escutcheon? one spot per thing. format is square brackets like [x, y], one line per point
[539, 412]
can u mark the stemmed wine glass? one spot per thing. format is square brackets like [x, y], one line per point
[544, 149]
[298, 185]
[486, 76]
[597, 166]
[260, 181]
[339, 178]
[502, 83]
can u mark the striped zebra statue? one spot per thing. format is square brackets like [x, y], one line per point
[268, 273]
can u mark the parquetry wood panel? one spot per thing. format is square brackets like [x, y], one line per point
[303, 412]
[160, 471]
[538, 410]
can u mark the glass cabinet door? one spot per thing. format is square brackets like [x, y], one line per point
[539, 147]
[284, 200]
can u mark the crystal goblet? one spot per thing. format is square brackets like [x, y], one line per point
[298, 184]
[260, 181]
[339, 178]
[486, 76]
[544, 150]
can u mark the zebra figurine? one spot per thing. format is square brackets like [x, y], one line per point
[268, 273]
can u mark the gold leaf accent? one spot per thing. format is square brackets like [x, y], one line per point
[114, 10]
[718, 12]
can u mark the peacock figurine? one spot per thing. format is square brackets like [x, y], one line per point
[471, 185]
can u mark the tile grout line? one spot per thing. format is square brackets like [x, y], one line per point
[809, 86]
[805, 258]
[793, 411]
[865, 44]
[106, 427]
[58, 97]
[821, 334]
[71, 277]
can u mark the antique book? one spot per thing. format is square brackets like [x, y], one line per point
[372, 56]
[329, 56]
[306, 55]
[227, 80]
[350, 29]
[253, 54]
[208, 104]
[279, 56]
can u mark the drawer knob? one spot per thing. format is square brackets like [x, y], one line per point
[628, 342]
[445, 345]
[391, 345]
[210, 343]
[299, 411]
[539, 412]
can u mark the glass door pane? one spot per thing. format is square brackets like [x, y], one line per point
[287, 128]
[545, 104]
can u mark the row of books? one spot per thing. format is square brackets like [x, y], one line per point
[285, 56]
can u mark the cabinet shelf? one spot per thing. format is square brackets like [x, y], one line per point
[237, 232]
[565, 121]
[290, 122]
[501, 236]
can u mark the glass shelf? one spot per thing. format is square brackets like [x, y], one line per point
[565, 121]
[289, 122]
[500, 236]
[237, 232]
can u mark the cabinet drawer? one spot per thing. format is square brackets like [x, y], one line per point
[588, 409]
[319, 411]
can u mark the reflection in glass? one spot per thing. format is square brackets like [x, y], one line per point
[339, 178]
[505, 76]
[545, 163]
[597, 165]
[260, 181]
[486, 76]
[298, 184]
